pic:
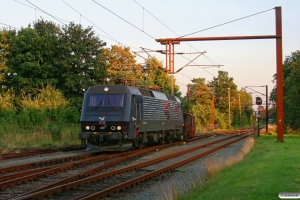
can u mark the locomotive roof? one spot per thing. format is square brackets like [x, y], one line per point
[134, 90]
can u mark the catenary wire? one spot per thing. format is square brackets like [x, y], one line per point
[90, 21]
[177, 35]
[123, 19]
[213, 62]
[120, 43]
[38, 9]
[98, 27]
[9, 26]
[134, 26]
[226, 23]
[46, 12]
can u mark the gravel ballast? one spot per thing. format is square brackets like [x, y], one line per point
[168, 185]
[179, 181]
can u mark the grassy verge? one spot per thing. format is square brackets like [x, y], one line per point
[39, 136]
[270, 168]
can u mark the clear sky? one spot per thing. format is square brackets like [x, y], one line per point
[137, 23]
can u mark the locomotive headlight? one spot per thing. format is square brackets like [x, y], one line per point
[113, 128]
[106, 89]
[87, 128]
[118, 128]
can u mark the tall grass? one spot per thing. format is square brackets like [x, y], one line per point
[44, 120]
[215, 166]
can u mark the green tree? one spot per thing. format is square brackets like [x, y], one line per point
[200, 92]
[224, 88]
[69, 58]
[32, 58]
[291, 88]
[4, 37]
[156, 76]
[245, 101]
[82, 62]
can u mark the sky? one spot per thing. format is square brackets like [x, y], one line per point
[137, 23]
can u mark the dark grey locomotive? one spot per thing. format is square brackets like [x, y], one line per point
[115, 114]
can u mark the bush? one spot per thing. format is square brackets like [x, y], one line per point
[7, 116]
[64, 115]
[6, 101]
[55, 132]
[23, 120]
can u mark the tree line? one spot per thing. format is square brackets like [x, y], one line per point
[71, 58]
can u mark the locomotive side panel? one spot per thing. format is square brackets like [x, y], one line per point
[158, 114]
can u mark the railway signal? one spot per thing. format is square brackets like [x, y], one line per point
[258, 101]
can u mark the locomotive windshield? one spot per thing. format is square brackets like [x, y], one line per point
[99, 100]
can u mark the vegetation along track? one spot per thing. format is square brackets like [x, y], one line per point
[122, 175]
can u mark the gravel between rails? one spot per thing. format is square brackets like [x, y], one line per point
[180, 180]
[162, 187]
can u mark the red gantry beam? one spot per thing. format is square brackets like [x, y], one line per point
[169, 42]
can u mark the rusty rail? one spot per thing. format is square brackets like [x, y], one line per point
[26, 152]
[140, 179]
[22, 177]
[46, 162]
[60, 186]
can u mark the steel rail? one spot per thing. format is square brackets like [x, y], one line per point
[45, 162]
[62, 167]
[67, 186]
[21, 177]
[126, 155]
[26, 152]
[76, 163]
[133, 182]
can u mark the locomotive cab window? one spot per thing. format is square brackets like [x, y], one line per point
[96, 100]
[114, 100]
[100, 100]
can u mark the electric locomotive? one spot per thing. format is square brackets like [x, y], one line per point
[126, 116]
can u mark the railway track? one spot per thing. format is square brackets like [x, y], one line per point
[82, 178]
[26, 152]
[12, 179]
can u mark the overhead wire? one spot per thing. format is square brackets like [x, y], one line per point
[155, 17]
[89, 21]
[123, 19]
[37, 9]
[255, 91]
[8, 25]
[111, 38]
[56, 18]
[136, 26]
[213, 62]
[46, 12]
[175, 34]
[226, 23]
[68, 21]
